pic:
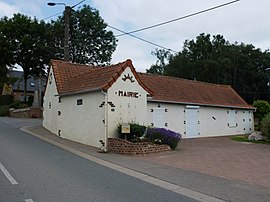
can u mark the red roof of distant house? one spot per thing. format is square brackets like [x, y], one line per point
[177, 90]
[73, 78]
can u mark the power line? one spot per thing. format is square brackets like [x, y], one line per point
[144, 40]
[180, 18]
[77, 4]
[52, 16]
[156, 25]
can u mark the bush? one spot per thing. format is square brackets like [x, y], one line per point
[136, 132]
[18, 105]
[30, 100]
[262, 108]
[163, 136]
[6, 99]
[265, 126]
[4, 110]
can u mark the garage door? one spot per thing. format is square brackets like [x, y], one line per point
[158, 117]
[192, 121]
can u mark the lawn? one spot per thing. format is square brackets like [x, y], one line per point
[244, 138]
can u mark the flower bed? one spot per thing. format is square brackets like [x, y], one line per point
[121, 146]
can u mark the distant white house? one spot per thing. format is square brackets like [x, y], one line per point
[85, 103]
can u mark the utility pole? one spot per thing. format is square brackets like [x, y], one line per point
[67, 17]
[66, 41]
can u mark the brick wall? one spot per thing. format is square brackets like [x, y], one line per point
[121, 146]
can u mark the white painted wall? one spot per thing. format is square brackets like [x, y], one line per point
[127, 109]
[82, 123]
[213, 121]
[85, 123]
[50, 105]
[174, 117]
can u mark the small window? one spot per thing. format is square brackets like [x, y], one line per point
[79, 101]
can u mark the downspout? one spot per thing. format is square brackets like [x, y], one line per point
[105, 121]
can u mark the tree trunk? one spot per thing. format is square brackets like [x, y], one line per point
[25, 87]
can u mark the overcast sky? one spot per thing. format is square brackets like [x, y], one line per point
[245, 21]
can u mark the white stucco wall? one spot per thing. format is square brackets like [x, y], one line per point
[126, 109]
[82, 123]
[50, 105]
[212, 121]
[127, 102]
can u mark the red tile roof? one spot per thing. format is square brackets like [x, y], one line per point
[73, 78]
[177, 90]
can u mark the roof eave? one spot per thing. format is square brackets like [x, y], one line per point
[200, 104]
[79, 92]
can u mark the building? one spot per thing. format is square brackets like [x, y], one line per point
[18, 85]
[85, 103]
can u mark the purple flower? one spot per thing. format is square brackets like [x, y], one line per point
[166, 136]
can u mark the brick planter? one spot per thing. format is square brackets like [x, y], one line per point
[121, 146]
[30, 112]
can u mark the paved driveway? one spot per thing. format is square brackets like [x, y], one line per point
[221, 157]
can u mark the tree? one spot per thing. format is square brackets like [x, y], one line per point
[5, 52]
[262, 108]
[90, 42]
[159, 67]
[215, 60]
[24, 41]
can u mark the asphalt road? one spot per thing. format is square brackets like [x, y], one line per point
[32, 170]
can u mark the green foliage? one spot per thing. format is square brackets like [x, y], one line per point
[18, 105]
[4, 110]
[213, 59]
[159, 67]
[265, 126]
[244, 138]
[25, 42]
[137, 132]
[31, 43]
[6, 99]
[30, 100]
[90, 42]
[262, 108]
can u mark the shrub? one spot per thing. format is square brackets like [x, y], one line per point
[262, 108]
[136, 132]
[18, 104]
[4, 110]
[30, 100]
[163, 136]
[265, 126]
[6, 99]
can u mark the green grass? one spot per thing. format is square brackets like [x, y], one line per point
[244, 138]
[4, 110]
